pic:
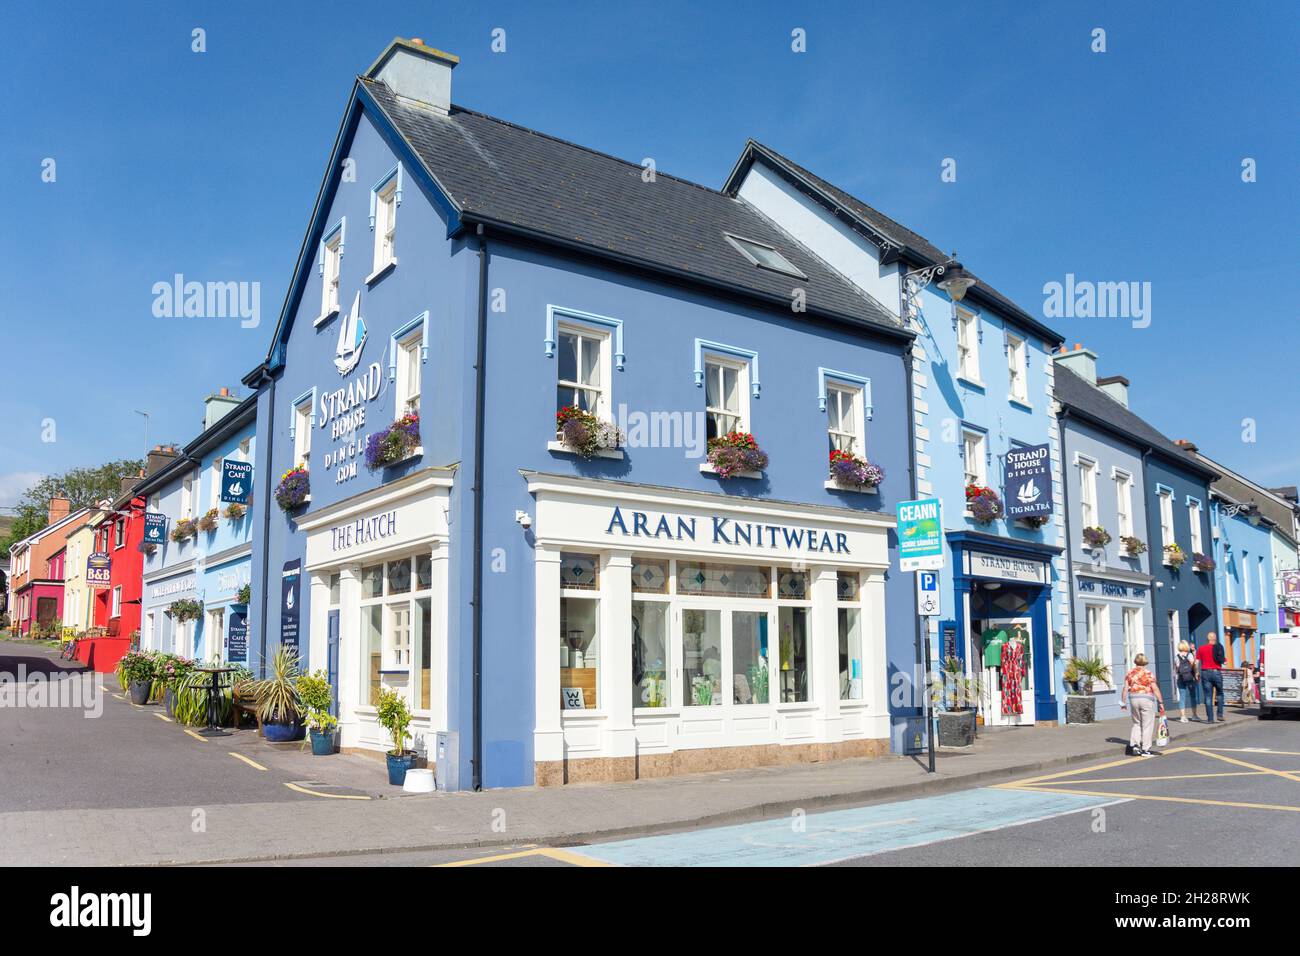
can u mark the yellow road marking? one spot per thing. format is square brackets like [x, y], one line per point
[1253, 766]
[1122, 762]
[1148, 796]
[252, 763]
[554, 853]
[577, 859]
[163, 717]
[202, 740]
[332, 796]
[475, 861]
[1177, 776]
[1253, 750]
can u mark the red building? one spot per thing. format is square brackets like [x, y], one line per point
[119, 532]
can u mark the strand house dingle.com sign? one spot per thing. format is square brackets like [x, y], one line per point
[1028, 486]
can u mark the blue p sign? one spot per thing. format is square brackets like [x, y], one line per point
[927, 593]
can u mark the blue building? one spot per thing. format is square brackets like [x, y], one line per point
[214, 563]
[1110, 554]
[981, 387]
[603, 600]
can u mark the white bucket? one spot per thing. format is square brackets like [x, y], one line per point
[418, 781]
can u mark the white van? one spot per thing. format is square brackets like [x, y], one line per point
[1279, 690]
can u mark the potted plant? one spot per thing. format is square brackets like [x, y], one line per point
[958, 696]
[171, 670]
[583, 433]
[316, 697]
[1096, 537]
[135, 672]
[984, 503]
[395, 717]
[735, 453]
[294, 489]
[395, 443]
[186, 609]
[1133, 546]
[1081, 708]
[146, 547]
[244, 595]
[278, 705]
[184, 529]
[1070, 677]
[1035, 521]
[208, 522]
[1202, 562]
[1174, 556]
[852, 471]
[235, 511]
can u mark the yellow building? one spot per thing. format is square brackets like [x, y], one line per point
[78, 597]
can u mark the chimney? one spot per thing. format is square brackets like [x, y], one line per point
[1187, 446]
[1116, 386]
[1082, 362]
[416, 72]
[159, 457]
[217, 407]
[60, 508]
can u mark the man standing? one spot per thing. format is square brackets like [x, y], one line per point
[1209, 660]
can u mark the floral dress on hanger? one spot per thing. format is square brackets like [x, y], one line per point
[1013, 671]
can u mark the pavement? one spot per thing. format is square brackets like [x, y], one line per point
[131, 788]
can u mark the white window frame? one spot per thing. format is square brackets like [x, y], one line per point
[1098, 645]
[119, 533]
[717, 363]
[384, 200]
[981, 476]
[330, 265]
[1245, 578]
[602, 339]
[840, 395]
[968, 345]
[1165, 498]
[408, 346]
[388, 658]
[1088, 509]
[1017, 368]
[214, 482]
[302, 420]
[1123, 501]
[1228, 575]
[1194, 515]
[1131, 623]
[116, 610]
[187, 496]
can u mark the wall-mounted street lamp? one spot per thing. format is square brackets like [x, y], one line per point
[955, 281]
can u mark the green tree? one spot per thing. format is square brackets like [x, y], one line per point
[83, 486]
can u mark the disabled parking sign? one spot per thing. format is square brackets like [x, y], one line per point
[927, 593]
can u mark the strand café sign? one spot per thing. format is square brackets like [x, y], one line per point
[920, 534]
[236, 481]
[1027, 488]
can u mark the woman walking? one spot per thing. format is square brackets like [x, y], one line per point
[1188, 679]
[1141, 694]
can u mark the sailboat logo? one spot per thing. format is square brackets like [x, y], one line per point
[352, 336]
[1028, 493]
[236, 488]
[288, 601]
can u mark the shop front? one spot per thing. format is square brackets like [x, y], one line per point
[684, 631]
[1112, 618]
[1003, 588]
[376, 569]
[160, 631]
[1240, 636]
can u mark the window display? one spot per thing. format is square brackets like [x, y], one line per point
[793, 623]
[579, 652]
[749, 656]
[650, 681]
[702, 657]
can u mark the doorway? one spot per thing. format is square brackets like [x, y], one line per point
[724, 656]
[1000, 617]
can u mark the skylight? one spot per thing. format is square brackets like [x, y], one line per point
[764, 256]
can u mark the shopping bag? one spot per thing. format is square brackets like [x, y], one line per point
[1162, 732]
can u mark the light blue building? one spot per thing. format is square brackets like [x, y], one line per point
[211, 566]
[981, 387]
[551, 616]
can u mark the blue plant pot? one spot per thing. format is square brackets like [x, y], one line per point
[169, 701]
[283, 733]
[322, 743]
[398, 765]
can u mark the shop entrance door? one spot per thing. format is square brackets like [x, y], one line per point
[724, 660]
[994, 636]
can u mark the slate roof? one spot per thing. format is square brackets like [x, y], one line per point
[1074, 391]
[503, 174]
[894, 232]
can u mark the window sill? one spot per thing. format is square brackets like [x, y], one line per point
[832, 485]
[971, 382]
[707, 469]
[381, 272]
[416, 452]
[325, 318]
[614, 454]
[1020, 403]
[583, 713]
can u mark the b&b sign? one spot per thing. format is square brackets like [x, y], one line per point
[98, 568]
[236, 481]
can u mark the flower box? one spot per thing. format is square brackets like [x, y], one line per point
[1202, 563]
[983, 504]
[183, 530]
[582, 433]
[1096, 537]
[1133, 546]
[235, 511]
[1174, 556]
[736, 455]
[849, 472]
[294, 489]
[208, 522]
[1035, 521]
[394, 444]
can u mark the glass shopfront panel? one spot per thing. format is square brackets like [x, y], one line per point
[702, 657]
[579, 652]
[651, 684]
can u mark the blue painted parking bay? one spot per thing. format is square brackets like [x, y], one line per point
[821, 838]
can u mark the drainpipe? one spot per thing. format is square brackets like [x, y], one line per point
[480, 398]
[1151, 564]
[266, 516]
[1069, 549]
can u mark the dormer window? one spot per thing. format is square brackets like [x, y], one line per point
[764, 256]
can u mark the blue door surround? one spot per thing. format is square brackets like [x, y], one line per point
[1040, 596]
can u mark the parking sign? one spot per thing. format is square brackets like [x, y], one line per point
[927, 593]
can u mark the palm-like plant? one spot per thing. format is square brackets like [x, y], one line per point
[1088, 670]
[277, 695]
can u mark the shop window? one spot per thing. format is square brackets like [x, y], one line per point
[791, 585]
[649, 576]
[702, 657]
[650, 670]
[583, 370]
[795, 653]
[424, 651]
[334, 590]
[423, 572]
[1132, 620]
[1097, 625]
[750, 675]
[372, 581]
[580, 572]
[399, 576]
[722, 580]
[850, 632]
[397, 649]
[372, 644]
[579, 652]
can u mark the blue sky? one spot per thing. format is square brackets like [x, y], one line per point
[1115, 166]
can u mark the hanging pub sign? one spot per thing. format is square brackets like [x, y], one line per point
[155, 528]
[236, 481]
[98, 566]
[237, 638]
[1027, 489]
[290, 599]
